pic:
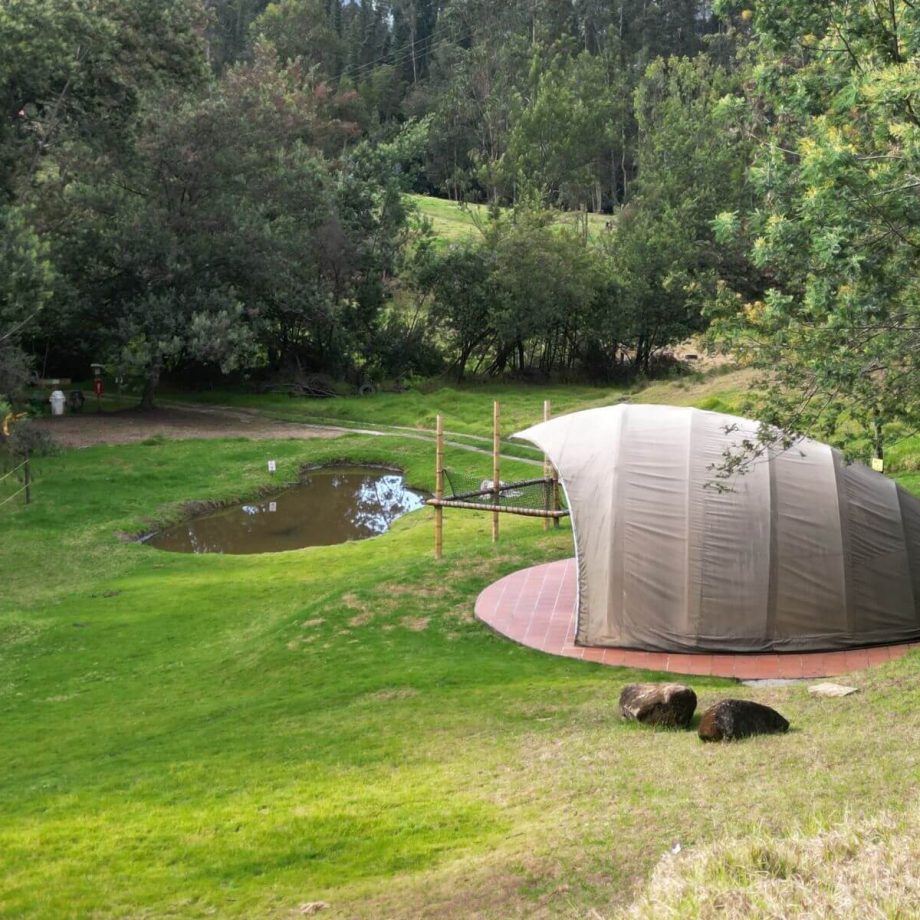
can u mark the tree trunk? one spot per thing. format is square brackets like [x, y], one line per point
[151, 383]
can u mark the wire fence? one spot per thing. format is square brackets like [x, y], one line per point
[531, 497]
[16, 483]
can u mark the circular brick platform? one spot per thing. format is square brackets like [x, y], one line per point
[536, 607]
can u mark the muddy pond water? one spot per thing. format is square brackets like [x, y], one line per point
[329, 505]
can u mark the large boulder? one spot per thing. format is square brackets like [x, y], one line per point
[671, 705]
[731, 719]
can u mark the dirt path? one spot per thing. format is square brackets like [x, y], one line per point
[128, 426]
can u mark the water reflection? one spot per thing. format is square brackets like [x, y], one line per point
[331, 505]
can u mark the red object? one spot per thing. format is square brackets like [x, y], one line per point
[98, 387]
[536, 607]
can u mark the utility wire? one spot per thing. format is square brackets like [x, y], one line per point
[11, 497]
[401, 56]
[14, 470]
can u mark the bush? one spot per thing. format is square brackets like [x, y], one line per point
[404, 349]
[24, 437]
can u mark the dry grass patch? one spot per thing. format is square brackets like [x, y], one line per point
[393, 693]
[416, 624]
[363, 610]
[862, 868]
[429, 592]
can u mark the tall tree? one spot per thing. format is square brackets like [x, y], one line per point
[69, 71]
[837, 332]
[305, 29]
[692, 162]
[230, 230]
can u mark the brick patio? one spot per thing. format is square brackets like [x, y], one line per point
[536, 607]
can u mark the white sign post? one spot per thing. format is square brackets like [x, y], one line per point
[272, 466]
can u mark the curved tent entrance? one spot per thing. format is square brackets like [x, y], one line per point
[803, 552]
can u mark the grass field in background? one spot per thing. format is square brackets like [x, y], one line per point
[467, 408]
[197, 736]
[452, 221]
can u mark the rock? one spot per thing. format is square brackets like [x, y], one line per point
[831, 689]
[731, 719]
[672, 705]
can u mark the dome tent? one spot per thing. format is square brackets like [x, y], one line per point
[803, 552]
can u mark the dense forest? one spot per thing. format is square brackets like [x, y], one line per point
[225, 188]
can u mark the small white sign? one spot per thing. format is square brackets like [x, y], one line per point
[273, 506]
[272, 466]
[878, 464]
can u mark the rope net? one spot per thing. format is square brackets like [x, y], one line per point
[536, 496]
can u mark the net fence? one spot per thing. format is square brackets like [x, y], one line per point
[534, 496]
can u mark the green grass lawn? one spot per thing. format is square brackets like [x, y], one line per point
[196, 736]
[467, 408]
[453, 221]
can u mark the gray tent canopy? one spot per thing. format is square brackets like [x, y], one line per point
[804, 552]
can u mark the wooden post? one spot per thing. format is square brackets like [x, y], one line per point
[439, 488]
[27, 479]
[547, 471]
[496, 472]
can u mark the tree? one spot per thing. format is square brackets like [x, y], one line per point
[692, 162]
[566, 138]
[303, 29]
[543, 278]
[230, 236]
[837, 331]
[26, 279]
[461, 284]
[71, 71]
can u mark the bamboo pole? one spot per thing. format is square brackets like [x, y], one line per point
[439, 489]
[496, 472]
[505, 509]
[547, 471]
[556, 502]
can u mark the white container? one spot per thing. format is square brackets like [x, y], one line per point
[57, 401]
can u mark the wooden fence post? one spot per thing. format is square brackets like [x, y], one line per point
[496, 472]
[548, 494]
[439, 488]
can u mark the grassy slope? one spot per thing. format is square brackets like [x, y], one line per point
[467, 409]
[452, 221]
[236, 736]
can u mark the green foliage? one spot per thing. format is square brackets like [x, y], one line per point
[28, 440]
[692, 159]
[26, 282]
[75, 72]
[568, 138]
[834, 233]
[229, 237]
[301, 29]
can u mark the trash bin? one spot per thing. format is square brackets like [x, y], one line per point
[57, 401]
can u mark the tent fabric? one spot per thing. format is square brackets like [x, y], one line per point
[803, 552]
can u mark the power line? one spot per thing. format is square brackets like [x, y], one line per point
[402, 56]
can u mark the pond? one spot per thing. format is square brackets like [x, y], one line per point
[329, 505]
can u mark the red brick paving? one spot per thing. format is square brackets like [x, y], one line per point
[536, 607]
